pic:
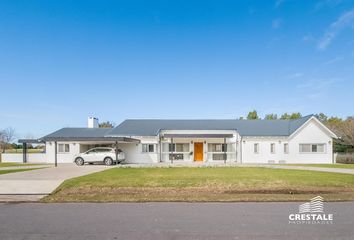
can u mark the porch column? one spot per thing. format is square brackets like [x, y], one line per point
[160, 144]
[172, 150]
[24, 152]
[236, 143]
[55, 154]
[225, 149]
[116, 151]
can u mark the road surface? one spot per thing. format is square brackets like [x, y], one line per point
[168, 221]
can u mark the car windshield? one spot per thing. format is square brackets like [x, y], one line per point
[91, 151]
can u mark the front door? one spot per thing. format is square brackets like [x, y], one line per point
[198, 151]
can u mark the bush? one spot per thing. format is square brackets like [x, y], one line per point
[345, 158]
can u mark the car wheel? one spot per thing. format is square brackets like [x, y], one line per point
[108, 161]
[79, 161]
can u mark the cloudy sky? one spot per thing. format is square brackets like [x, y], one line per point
[62, 61]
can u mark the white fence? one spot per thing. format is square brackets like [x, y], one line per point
[18, 157]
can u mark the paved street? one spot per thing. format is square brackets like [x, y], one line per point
[169, 221]
[34, 184]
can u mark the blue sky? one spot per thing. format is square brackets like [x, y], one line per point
[62, 61]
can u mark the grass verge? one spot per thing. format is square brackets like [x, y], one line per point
[337, 165]
[16, 170]
[204, 184]
[17, 164]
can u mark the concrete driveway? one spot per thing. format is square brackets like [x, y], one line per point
[34, 184]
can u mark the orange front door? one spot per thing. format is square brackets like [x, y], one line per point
[198, 151]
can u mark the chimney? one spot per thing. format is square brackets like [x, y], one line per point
[92, 122]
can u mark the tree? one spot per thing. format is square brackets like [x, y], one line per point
[285, 116]
[322, 117]
[2, 133]
[252, 115]
[106, 124]
[344, 129]
[334, 120]
[271, 116]
[296, 115]
[7, 136]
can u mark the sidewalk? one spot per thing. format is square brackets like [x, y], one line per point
[35, 184]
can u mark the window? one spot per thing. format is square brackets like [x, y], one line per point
[219, 156]
[178, 147]
[286, 148]
[171, 147]
[312, 148]
[272, 148]
[63, 148]
[148, 148]
[256, 148]
[217, 147]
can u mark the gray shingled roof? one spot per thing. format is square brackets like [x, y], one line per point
[150, 127]
[76, 133]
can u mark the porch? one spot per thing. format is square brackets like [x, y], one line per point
[198, 148]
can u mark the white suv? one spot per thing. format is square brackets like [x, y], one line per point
[100, 154]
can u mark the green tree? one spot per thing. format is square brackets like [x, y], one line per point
[296, 115]
[252, 115]
[271, 116]
[334, 120]
[285, 116]
[106, 124]
[322, 117]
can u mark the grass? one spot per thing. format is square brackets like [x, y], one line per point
[337, 165]
[16, 164]
[31, 150]
[204, 184]
[16, 170]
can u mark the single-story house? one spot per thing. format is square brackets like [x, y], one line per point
[304, 140]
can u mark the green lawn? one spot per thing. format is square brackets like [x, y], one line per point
[337, 165]
[205, 184]
[16, 170]
[16, 164]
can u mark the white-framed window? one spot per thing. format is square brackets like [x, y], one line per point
[286, 148]
[256, 148]
[148, 148]
[63, 148]
[178, 147]
[272, 148]
[217, 147]
[312, 148]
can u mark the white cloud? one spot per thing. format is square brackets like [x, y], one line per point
[276, 23]
[316, 88]
[333, 60]
[345, 20]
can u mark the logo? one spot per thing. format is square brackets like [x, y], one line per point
[311, 213]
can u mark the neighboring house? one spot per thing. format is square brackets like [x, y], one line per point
[304, 140]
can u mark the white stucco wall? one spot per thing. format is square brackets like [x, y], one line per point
[312, 133]
[18, 157]
[264, 154]
[62, 157]
[134, 154]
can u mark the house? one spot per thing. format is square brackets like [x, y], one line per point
[304, 140]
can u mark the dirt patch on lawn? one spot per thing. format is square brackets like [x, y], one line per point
[193, 190]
